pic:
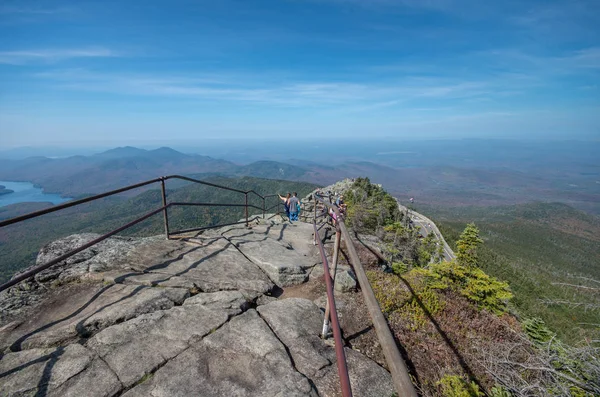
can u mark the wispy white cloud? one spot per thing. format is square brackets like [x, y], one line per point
[568, 62]
[53, 55]
[362, 96]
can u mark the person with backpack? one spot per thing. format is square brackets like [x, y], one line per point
[294, 207]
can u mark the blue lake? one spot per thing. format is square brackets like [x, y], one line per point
[25, 192]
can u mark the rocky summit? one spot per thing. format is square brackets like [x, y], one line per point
[235, 311]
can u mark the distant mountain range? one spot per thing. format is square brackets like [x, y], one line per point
[77, 175]
[440, 178]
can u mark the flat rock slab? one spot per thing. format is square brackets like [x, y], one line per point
[283, 265]
[232, 302]
[297, 323]
[106, 255]
[242, 358]
[212, 265]
[298, 236]
[136, 347]
[65, 371]
[147, 279]
[80, 310]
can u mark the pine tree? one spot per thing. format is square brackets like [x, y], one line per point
[467, 245]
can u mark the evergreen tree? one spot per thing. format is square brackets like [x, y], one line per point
[467, 245]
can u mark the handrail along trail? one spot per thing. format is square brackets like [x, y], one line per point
[396, 365]
[395, 362]
[162, 209]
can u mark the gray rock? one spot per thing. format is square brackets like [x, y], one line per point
[264, 299]
[103, 256]
[298, 236]
[243, 358]
[84, 309]
[284, 266]
[233, 302]
[297, 322]
[52, 371]
[147, 279]
[128, 301]
[212, 265]
[345, 281]
[136, 347]
[97, 380]
[367, 378]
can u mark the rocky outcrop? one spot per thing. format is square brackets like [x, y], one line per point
[151, 317]
[296, 323]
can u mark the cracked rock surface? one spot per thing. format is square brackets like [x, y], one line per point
[151, 317]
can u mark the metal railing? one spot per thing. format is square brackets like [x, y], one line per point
[331, 311]
[164, 209]
[393, 358]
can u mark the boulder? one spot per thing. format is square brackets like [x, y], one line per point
[106, 255]
[283, 265]
[345, 281]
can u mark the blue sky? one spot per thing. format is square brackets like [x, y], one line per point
[127, 72]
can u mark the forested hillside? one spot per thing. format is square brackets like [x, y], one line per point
[20, 243]
[548, 252]
[465, 330]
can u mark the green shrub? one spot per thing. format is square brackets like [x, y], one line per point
[537, 331]
[471, 282]
[413, 313]
[370, 207]
[394, 298]
[456, 386]
[399, 268]
[388, 291]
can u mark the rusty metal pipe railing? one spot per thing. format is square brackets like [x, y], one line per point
[396, 365]
[246, 198]
[164, 202]
[74, 203]
[335, 325]
[113, 192]
[164, 209]
[61, 258]
[336, 253]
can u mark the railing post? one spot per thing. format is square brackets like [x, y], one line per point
[335, 326]
[336, 252]
[246, 195]
[264, 206]
[164, 202]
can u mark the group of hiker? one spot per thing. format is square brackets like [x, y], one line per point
[291, 204]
